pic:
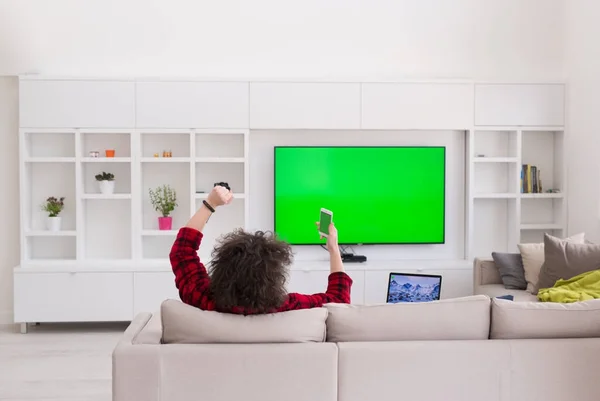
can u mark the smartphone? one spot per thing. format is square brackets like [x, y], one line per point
[324, 222]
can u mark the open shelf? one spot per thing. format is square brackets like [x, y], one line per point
[121, 171]
[43, 181]
[496, 178]
[177, 176]
[46, 233]
[207, 174]
[51, 144]
[230, 145]
[535, 235]
[159, 233]
[543, 213]
[496, 144]
[157, 247]
[544, 149]
[178, 143]
[98, 141]
[106, 196]
[51, 248]
[107, 229]
[165, 159]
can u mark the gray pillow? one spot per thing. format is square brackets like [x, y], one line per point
[565, 260]
[510, 266]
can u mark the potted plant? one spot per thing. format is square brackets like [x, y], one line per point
[53, 207]
[164, 201]
[106, 182]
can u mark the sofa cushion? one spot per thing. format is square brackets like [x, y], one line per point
[510, 266]
[498, 290]
[534, 320]
[185, 324]
[565, 260]
[452, 319]
[533, 259]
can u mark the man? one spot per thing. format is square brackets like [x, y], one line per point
[248, 270]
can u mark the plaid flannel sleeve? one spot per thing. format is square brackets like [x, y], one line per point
[191, 277]
[338, 291]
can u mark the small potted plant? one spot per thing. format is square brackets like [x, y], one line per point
[106, 182]
[164, 201]
[53, 207]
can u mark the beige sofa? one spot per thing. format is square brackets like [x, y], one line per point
[487, 281]
[438, 351]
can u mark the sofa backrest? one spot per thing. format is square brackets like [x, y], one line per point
[185, 324]
[451, 319]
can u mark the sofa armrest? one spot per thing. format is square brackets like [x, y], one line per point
[136, 368]
[485, 272]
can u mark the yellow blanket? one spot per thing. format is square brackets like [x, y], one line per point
[584, 287]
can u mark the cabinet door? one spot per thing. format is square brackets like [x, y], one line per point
[304, 106]
[520, 105]
[151, 289]
[73, 297]
[76, 104]
[192, 104]
[417, 106]
[455, 283]
[315, 281]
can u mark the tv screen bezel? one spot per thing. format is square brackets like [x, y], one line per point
[443, 241]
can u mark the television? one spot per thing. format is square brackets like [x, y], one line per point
[378, 195]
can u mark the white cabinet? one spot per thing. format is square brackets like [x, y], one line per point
[315, 281]
[73, 297]
[192, 104]
[520, 105]
[304, 106]
[151, 289]
[76, 104]
[417, 106]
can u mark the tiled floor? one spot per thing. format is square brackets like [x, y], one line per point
[52, 363]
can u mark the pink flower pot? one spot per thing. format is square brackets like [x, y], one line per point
[165, 223]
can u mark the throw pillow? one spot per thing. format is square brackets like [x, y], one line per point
[510, 266]
[565, 260]
[533, 259]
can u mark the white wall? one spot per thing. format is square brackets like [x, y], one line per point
[583, 67]
[261, 166]
[340, 39]
[9, 193]
[333, 39]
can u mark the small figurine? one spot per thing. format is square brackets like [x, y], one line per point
[156, 155]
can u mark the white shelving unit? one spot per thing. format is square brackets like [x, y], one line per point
[123, 226]
[501, 215]
[110, 260]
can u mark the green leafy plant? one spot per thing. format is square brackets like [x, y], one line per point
[53, 206]
[104, 176]
[164, 200]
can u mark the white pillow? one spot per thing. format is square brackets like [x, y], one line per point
[533, 259]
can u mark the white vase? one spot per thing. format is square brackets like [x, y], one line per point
[54, 223]
[106, 187]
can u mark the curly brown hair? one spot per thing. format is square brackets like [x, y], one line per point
[250, 270]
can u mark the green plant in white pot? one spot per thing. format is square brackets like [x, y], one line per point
[164, 201]
[53, 207]
[106, 182]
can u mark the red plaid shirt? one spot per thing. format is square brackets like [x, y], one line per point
[193, 281]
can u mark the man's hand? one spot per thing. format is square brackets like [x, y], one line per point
[332, 238]
[219, 196]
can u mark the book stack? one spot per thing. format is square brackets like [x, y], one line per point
[531, 181]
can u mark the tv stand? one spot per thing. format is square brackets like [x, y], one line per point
[352, 258]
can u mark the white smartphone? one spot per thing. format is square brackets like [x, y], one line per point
[324, 222]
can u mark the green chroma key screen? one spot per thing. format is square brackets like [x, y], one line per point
[378, 195]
